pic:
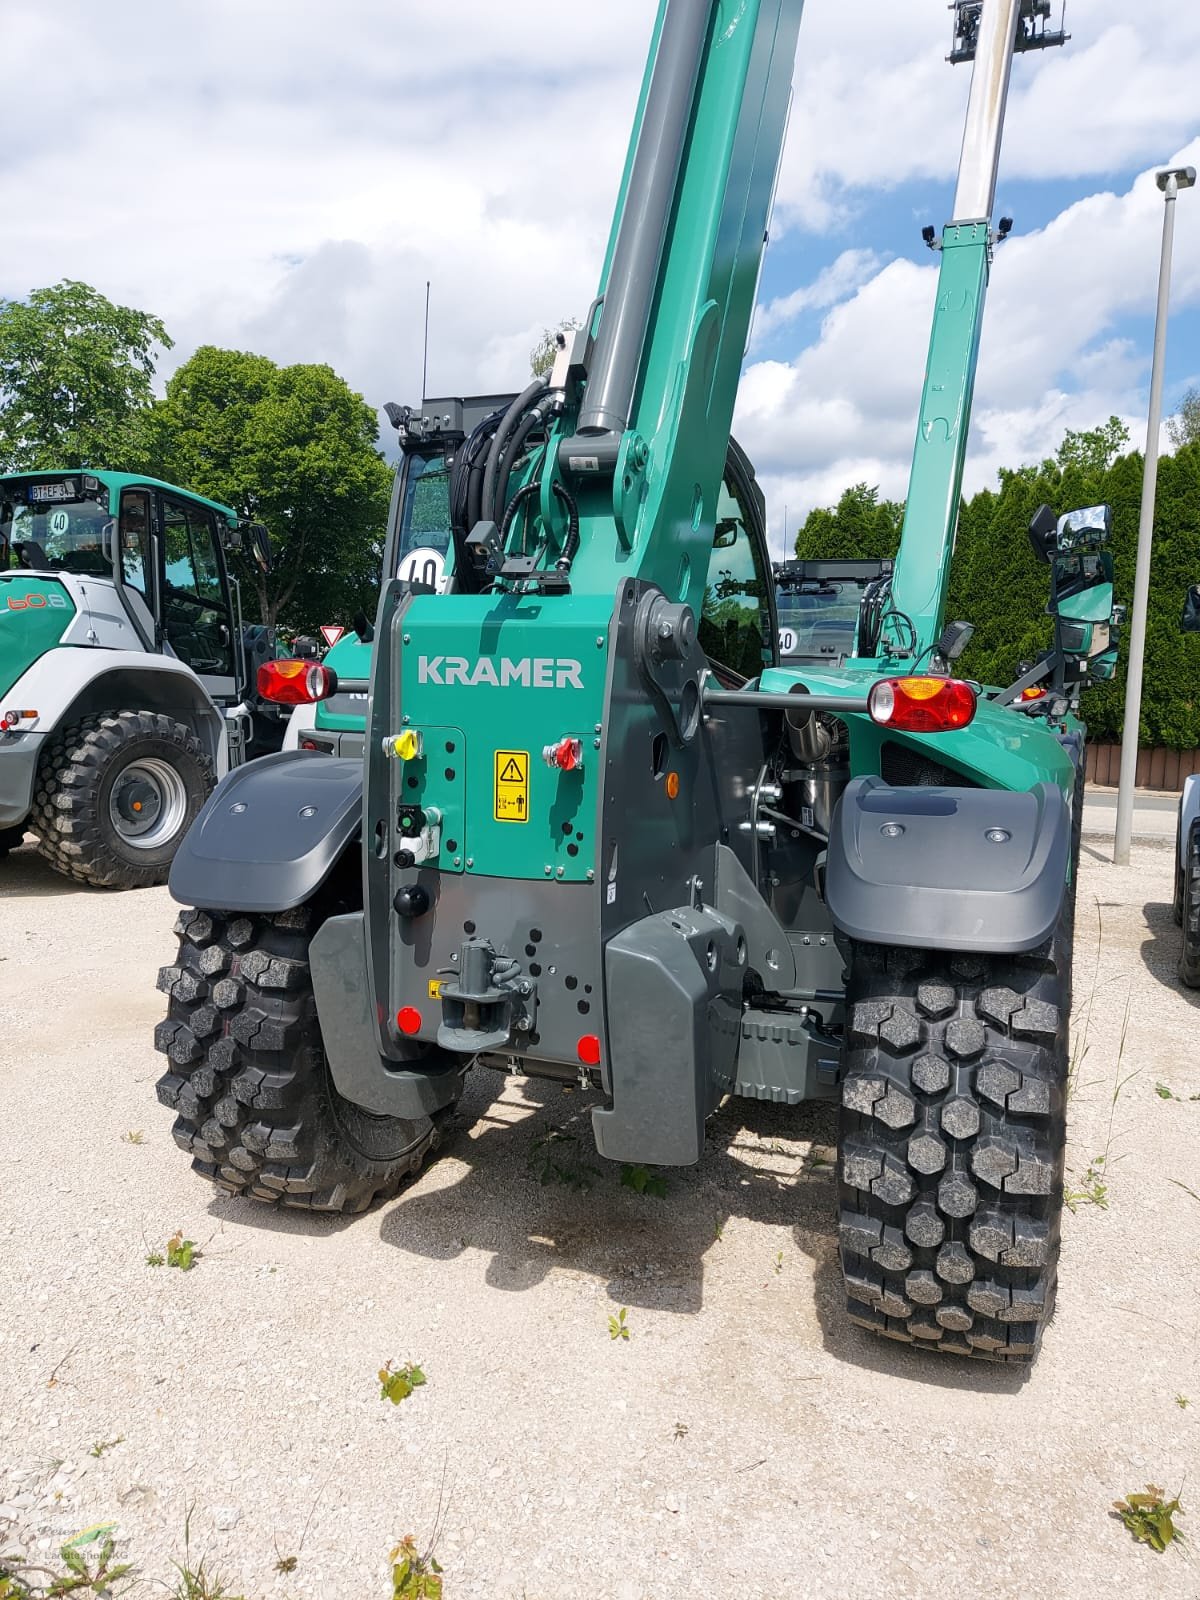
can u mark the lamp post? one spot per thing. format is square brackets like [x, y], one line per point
[1170, 182]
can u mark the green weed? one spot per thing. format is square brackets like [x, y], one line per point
[101, 1445]
[134, 1136]
[414, 1576]
[1092, 1190]
[1150, 1518]
[397, 1383]
[616, 1325]
[1164, 1092]
[196, 1582]
[643, 1181]
[556, 1157]
[1182, 1401]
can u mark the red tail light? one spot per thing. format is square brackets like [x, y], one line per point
[588, 1049]
[922, 705]
[408, 1019]
[296, 683]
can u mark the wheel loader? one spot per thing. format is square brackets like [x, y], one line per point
[600, 834]
[123, 670]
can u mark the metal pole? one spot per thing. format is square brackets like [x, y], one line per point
[1141, 581]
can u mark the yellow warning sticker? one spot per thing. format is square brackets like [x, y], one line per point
[511, 803]
[435, 988]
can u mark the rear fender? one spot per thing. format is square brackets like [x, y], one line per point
[270, 833]
[949, 869]
[1189, 811]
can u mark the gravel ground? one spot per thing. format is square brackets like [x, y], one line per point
[744, 1439]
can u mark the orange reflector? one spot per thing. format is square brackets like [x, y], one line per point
[922, 705]
[1032, 694]
[589, 1050]
[408, 1019]
[672, 785]
[295, 683]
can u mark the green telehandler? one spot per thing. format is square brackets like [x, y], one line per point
[599, 834]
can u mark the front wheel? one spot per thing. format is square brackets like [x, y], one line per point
[256, 1106]
[115, 795]
[1189, 910]
[951, 1146]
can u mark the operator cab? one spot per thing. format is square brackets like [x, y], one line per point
[161, 550]
[825, 608]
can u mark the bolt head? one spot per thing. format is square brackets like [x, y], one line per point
[892, 830]
[997, 836]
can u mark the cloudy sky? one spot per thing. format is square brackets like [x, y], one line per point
[284, 176]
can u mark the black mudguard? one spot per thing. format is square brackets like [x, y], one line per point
[948, 869]
[270, 833]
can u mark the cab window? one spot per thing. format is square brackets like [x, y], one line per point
[735, 621]
[134, 525]
[195, 617]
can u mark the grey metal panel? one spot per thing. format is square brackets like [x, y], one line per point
[786, 1058]
[270, 833]
[940, 882]
[339, 973]
[18, 768]
[770, 954]
[675, 983]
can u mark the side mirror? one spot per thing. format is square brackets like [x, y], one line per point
[725, 534]
[1084, 530]
[1190, 620]
[1043, 532]
[260, 545]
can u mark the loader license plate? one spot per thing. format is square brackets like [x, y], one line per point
[511, 789]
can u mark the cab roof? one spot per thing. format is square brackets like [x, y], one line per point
[123, 480]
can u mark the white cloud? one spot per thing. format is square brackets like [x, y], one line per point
[1048, 358]
[286, 177]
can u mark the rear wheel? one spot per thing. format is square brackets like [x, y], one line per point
[256, 1107]
[1189, 910]
[115, 795]
[951, 1145]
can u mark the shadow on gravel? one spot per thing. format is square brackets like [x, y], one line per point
[763, 1164]
[1160, 951]
[25, 875]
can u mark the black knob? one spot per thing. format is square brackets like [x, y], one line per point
[404, 858]
[412, 900]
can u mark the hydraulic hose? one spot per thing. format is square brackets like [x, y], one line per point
[528, 491]
[532, 420]
[571, 542]
[507, 423]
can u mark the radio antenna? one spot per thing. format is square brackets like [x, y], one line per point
[425, 356]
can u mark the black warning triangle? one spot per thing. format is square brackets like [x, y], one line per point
[512, 772]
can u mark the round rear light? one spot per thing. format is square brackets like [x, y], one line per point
[408, 1019]
[589, 1050]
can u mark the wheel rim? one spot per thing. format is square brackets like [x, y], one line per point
[148, 803]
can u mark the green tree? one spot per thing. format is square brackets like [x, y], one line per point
[541, 357]
[1184, 427]
[294, 448]
[861, 524]
[75, 380]
[1093, 449]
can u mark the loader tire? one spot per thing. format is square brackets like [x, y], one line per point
[1189, 911]
[1177, 898]
[115, 794]
[951, 1143]
[256, 1107]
